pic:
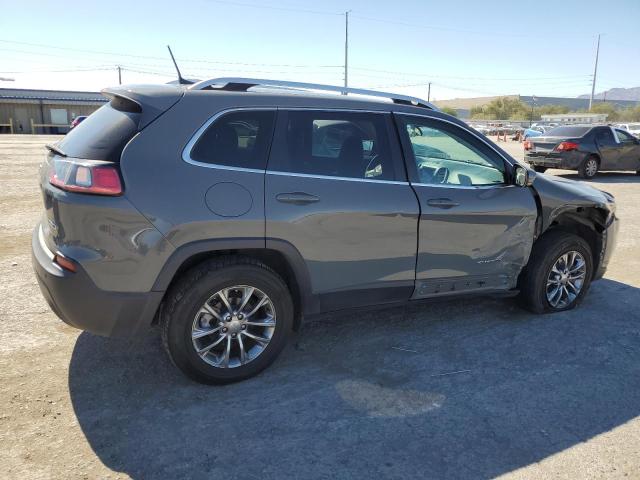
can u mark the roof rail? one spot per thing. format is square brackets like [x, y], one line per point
[243, 84]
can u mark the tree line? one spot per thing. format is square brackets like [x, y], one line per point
[509, 108]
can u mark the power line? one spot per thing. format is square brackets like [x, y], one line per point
[148, 57]
[426, 75]
[451, 29]
[271, 7]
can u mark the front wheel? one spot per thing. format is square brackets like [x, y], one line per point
[226, 320]
[558, 274]
[540, 169]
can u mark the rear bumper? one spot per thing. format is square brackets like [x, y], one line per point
[565, 161]
[80, 303]
[609, 238]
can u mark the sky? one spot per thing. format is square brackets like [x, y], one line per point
[464, 48]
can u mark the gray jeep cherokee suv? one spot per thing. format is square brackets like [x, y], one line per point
[228, 209]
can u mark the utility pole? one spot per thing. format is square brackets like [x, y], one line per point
[595, 72]
[429, 93]
[346, 51]
[119, 74]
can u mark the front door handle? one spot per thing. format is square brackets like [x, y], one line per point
[297, 198]
[442, 203]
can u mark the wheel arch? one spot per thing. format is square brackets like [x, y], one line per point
[586, 222]
[278, 255]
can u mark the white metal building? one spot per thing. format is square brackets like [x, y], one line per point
[568, 118]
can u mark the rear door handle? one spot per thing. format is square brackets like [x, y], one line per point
[442, 203]
[297, 198]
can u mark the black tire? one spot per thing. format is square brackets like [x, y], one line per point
[540, 169]
[585, 171]
[545, 252]
[189, 294]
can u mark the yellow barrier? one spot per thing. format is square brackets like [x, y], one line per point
[37, 125]
[10, 125]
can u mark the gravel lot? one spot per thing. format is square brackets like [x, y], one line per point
[473, 388]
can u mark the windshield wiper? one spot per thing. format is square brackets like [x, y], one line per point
[54, 149]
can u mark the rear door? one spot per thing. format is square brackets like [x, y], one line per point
[629, 151]
[476, 227]
[609, 148]
[336, 190]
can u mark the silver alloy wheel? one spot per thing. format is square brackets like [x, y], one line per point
[566, 279]
[234, 326]
[591, 168]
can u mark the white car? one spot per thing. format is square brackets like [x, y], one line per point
[632, 128]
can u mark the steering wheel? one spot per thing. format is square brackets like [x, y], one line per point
[373, 159]
[441, 175]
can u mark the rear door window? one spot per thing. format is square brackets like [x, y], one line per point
[604, 136]
[237, 139]
[334, 143]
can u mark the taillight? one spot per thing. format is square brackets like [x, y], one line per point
[85, 176]
[527, 145]
[566, 146]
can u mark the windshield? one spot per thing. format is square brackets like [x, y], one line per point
[568, 131]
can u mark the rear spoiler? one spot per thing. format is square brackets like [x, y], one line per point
[149, 100]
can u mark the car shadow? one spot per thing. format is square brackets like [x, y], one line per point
[605, 177]
[470, 388]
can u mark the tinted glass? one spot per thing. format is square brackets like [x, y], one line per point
[567, 131]
[339, 144]
[102, 135]
[237, 139]
[605, 136]
[447, 155]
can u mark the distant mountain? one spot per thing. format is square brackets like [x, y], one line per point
[632, 94]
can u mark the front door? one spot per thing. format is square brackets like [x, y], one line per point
[476, 227]
[629, 151]
[337, 192]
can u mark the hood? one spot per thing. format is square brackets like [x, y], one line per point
[559, 195]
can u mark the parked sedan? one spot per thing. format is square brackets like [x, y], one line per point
[536, 131]
[587, 149]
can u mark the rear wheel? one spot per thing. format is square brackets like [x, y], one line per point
[589, 167]
[227, 320]
[558, 274]
[540, 169]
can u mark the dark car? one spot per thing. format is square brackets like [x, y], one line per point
[76, 121]
[226, 214]
[587, 149]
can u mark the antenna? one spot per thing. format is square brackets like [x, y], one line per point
[181, 80]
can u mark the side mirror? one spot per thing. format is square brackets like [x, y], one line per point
[524, 177]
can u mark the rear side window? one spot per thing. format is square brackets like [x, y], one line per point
[103, 134]
[237, 139]
[337, 144]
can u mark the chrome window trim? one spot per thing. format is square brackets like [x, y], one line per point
[186, 152]
[465, 187]
[330, 177]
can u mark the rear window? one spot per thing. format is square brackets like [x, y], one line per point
[103, 134]
[567, 131]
